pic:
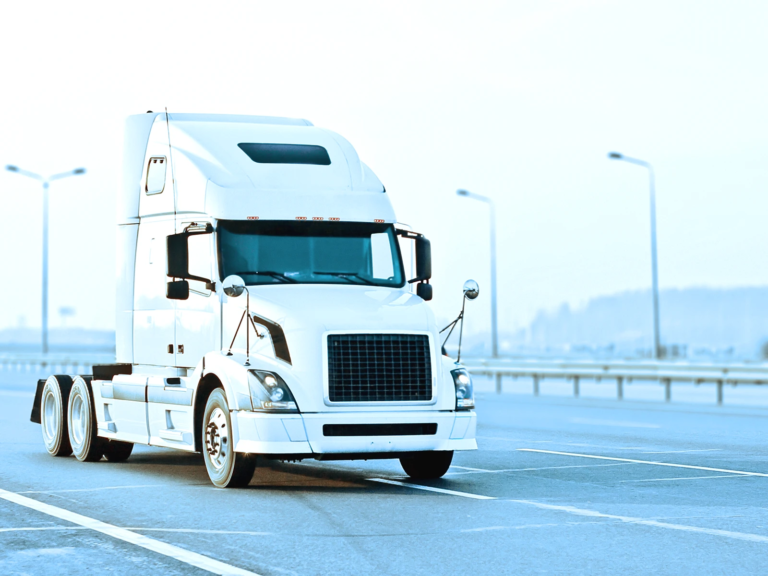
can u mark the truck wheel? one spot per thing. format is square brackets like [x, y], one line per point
[117, 451]
[427, 465]
[53, 415]
[86, 445]
[226, 468]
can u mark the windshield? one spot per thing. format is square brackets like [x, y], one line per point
[287, 252]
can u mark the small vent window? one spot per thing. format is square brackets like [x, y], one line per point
[287, 154]
[155, 183]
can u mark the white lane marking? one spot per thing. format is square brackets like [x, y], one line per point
[689, 478]
[534, 469]
[685, 451]
[473, 469]
[614, 423]
[650, 462]
[54, 492]
[580, 445]
[642, 521]
[143, 529]
[185, 556]
[431, 489]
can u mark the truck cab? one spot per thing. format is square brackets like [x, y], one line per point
[268, 304]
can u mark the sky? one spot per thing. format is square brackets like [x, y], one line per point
[517, 101]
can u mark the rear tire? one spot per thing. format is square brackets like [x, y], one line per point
[117, 451]
[226, 468]
[427, 465]
[53, 415]
[86, 445]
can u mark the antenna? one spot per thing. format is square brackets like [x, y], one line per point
[170, 158]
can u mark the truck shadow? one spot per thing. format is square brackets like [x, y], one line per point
[312, 476]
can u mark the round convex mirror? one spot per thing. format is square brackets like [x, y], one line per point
[233, 285]
[471, 289]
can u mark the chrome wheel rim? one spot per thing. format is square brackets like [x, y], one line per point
[50, 417]
[78, 415]
[217, 439]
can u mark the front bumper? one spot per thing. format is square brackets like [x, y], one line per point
[303, 433]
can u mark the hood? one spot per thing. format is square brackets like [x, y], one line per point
[340, 307]
[302, 314]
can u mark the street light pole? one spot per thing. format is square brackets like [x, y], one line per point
[654, 259]
[494, 311]
[46, 185]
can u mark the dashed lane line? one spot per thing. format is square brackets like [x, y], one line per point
[690, 478]
[185, 556]
[53, 492]
[644, 522]
[478, 470]
[649, 462]
[431, 489]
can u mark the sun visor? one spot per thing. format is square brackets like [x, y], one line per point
[253, 204]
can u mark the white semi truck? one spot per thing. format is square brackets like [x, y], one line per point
[263, 309]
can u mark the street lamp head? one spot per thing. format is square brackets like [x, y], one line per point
[615, 156]
[12, 168]
[462, 192]
[78, 171]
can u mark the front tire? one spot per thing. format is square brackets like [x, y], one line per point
[86, 445]
[427, 465]
[53, 415]
[226, 468]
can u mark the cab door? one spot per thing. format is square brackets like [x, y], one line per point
[154, 318]
[198, 326]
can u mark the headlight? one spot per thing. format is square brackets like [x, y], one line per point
[465, 393]
[270, 393]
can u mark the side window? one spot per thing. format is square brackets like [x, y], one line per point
[200, 262]
[155, 182]
[381, 255]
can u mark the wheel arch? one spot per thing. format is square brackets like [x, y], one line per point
[208, 384]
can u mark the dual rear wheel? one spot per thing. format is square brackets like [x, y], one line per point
[68, 422]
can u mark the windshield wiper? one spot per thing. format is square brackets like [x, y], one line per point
[277, 275]
[346, 276]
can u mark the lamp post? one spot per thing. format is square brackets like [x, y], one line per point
[654, 264]
[46, 184]
[494, 314]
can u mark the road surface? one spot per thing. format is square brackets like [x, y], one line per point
[559, 486]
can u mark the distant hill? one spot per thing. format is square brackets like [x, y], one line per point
[697, 321]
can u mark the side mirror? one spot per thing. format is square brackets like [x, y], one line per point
[177, 290]
[424, 291]
[471, 290]
[233, 286]
[177, 247]
[178, 256]
[423, 259]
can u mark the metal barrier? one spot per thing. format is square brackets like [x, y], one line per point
[665, 372]
[74, 363]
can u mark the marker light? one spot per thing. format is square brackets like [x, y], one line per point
[270, 393]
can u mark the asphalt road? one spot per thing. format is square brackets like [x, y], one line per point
[559, 486]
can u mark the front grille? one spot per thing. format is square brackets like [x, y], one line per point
[379, 368]
[429, 429]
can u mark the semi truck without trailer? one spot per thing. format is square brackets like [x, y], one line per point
[268, 304]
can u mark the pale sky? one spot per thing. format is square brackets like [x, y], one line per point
[519, 101]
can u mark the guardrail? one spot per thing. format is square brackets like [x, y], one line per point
[75, 363]
[665, 372]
